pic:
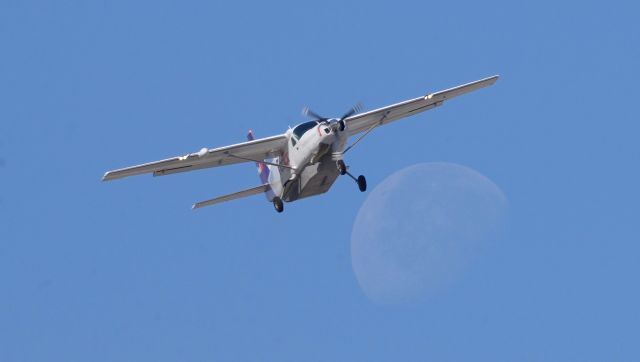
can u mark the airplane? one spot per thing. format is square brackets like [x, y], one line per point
[305, 160]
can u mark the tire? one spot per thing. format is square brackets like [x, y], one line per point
[362, 183]
[278, 205]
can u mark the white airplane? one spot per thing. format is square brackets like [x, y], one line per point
[305, 160]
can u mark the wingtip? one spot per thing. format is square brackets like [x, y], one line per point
[110, 176]
[488, 80]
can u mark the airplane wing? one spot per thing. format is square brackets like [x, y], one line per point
[244, 193]
[250, 151]
[365, 121]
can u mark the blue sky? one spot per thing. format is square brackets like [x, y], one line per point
[126, 271]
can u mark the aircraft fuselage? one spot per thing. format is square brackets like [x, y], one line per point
[313, 150]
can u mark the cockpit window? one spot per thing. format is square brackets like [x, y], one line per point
[304, 127]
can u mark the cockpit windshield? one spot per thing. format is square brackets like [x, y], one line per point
[304, 127]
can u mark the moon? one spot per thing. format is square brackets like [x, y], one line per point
[420, 227]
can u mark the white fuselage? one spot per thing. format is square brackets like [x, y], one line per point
[313, 149]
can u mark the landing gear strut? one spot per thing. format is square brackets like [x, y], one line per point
[361, 181]
[342, 167]
[277, 204]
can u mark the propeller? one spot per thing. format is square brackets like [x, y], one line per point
[309, 113]
[355, 109]
[340, 123]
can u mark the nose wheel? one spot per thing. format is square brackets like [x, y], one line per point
[361, 180]
[277, 204]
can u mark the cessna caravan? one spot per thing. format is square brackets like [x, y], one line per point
[303, 161]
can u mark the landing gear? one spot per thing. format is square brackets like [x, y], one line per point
[361, 181]
[277, 204]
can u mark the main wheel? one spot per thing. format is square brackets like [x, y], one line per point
[362, 183]
[277, 204]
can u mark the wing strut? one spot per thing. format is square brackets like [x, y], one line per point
[367, 132]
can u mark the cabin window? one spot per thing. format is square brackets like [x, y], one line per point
[302, 128]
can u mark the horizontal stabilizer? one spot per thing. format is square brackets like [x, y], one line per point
[244, 193]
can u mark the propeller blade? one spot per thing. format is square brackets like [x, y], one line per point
[309, 113]
[355, 109]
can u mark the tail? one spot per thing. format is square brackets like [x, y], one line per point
[263, 170]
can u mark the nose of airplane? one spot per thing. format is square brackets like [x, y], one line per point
[326, 134]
